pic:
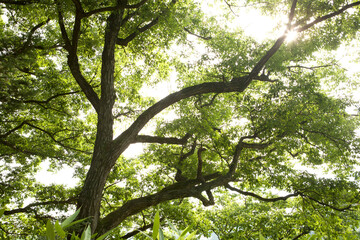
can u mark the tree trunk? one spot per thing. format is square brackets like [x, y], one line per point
[103, 157]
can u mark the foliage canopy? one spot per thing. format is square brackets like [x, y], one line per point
[261, 131]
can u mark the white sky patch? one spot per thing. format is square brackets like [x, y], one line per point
[134, 150]
[161, 89]
[251, 20]
[63, 176]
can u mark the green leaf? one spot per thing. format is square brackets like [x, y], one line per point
[105, 234]
[161, 234]
[146, 235]
[59, 230]
[261, 237]
[74, 237]
[174, 228]
[2, 212]
[185, 231]
[76, 222]
[156, 226]
[69, 220]
[86, 235]
[191, 236]
[50, 231]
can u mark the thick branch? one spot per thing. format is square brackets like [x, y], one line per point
[122, 141]
[189, 188]
[89, 92]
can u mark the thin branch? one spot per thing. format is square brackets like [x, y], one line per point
[132, 36]
[136, 5]
[64, 34]
[24, 2]
[262, 198]
[305, 232]
[211, 101]
[291, 15]
[178, 176]
[162, 140]
[29, 208]
[199, 175]
[55, 140]
[125, 41]
[114, 8]
[328, 205]
[310, 68]
[255, 145]
[143, 228]
[325, 17]
[13, 130]
[230, 7]
[29, 38]
[18, 149]
[197, 35]
[257, 68]
[49, 99]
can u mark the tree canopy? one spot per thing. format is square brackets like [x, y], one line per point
[256, 137]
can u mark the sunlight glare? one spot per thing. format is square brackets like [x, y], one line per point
[291, 36]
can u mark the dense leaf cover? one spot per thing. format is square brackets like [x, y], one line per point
[255, 138]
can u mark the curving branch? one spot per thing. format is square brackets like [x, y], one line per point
[50, 98]
[197, 35]
[29, 208]
[19, 149]
[71, 47]
[342, 209]
[23, 2]
[13, 130]
[259, 197]
[51, 135]
[161, 140]
[122, 142]
[64, 34]
[189, 188]
[132, 36]
[325, 17]
[141, 229]
[115, 8]
[26, 44]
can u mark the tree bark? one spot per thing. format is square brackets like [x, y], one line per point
[103, 159]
